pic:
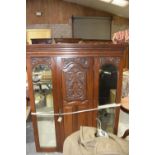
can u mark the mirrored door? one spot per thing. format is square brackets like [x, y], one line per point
[43, 107]
[107, 95]
[108, 79]
[43, 94]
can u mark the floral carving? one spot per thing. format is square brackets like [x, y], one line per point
[40, 60]
[75, 79]
[82, 61]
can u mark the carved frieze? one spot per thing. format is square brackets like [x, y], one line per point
[40, 60]
[82, 61]
[110, 60]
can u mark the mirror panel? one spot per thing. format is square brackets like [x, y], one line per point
[46, 131]
[43, 94]
[107, 84]
[42, 86]
[107, 95]
[107, 117]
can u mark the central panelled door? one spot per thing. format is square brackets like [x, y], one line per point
[77, 92]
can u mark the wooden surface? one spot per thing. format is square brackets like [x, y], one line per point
[125, 104]
[126, 58]
[57, 11]
[75, 69]
[125, 108]
[77, 92]
[117, 20]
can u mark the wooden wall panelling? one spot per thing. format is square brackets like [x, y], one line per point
[120, 20]
[57, 11]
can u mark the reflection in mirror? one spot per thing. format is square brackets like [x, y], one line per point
[106, 117]
[43, 94]
[125, 84]
[107, 95]
[42, 85]
[107, 84]
[46, 131]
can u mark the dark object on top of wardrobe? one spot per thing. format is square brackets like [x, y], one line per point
[67, 40]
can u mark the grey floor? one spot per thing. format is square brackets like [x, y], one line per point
[30, 146]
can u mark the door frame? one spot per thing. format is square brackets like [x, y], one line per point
[52, 65]
[119, 65]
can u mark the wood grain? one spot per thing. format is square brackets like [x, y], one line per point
[87, 56]
[57, 11]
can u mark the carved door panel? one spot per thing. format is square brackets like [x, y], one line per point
[77, 92]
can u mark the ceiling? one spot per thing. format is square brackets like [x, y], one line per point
[103, 6]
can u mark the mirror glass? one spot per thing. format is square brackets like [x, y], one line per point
[107, 95]
[46, 131]
[107, 84]
[106, 117]
[43, 94]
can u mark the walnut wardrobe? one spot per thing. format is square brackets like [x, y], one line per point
[65, 78]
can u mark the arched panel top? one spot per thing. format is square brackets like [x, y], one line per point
[84, 62]
[74, 68]
[40, 60]
[109, 60]
[108, 79]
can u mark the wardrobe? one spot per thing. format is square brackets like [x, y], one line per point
[66, 78]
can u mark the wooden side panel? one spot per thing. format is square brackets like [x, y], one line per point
[126, 58]
[68, 121]
[84, 118]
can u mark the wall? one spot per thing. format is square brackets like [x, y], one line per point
[58, 30]
[57, 11]
[119, 24]
[57, 16]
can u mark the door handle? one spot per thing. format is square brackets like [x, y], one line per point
[60, 116]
